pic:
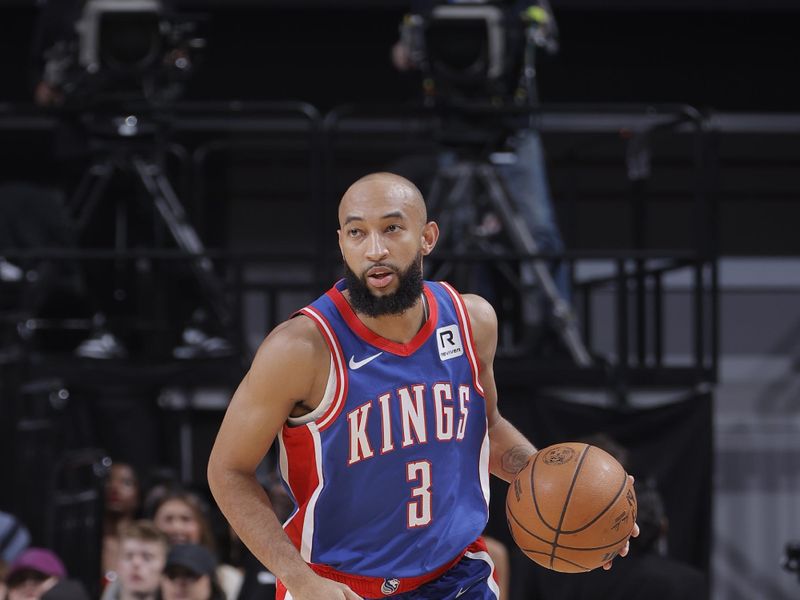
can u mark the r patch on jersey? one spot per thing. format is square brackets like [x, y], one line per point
[449, 341]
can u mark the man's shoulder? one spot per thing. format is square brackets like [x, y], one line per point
[296, 337]
[480, 310]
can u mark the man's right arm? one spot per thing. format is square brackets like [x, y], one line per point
[285, 372]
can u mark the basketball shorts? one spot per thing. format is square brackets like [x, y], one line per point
[471, 578]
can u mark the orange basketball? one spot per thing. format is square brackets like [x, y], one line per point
[572, 507]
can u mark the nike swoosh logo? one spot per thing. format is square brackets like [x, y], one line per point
[357, 364]
[461, 592]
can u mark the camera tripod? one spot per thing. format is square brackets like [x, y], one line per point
[453, 199]
[141, 160]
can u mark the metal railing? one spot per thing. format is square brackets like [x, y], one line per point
[639, 349]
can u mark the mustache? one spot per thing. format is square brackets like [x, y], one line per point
[382, 265]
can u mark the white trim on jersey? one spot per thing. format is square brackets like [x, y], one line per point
[327, 398]
[333, 345]
[467, 325]
[284, 468]
[484, 556]
[484, 465]
[308, 522]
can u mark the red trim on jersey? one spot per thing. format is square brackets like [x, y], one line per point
[466, 328]
[369, 336]
[340, 394]
[370, 587]
[301, 477]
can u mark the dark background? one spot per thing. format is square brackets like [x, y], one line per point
[740, 59]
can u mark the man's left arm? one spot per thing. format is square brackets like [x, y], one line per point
[510, 451]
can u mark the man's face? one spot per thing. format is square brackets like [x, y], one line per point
[383, 237]
[140, 565]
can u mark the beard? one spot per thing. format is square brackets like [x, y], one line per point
[408, 291]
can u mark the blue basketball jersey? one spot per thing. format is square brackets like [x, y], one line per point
[390, 474]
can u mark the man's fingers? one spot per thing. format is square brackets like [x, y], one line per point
[350, 594]
[635, 532]
[624, 551]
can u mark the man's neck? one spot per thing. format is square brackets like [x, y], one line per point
[398, 328]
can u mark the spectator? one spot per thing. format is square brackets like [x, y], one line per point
[190, 574]
[122, 503]
[32, 573]
[141, 558]
[183, 517]
[14, 538]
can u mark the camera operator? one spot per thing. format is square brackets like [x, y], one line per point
[521, 158]
[54, 34]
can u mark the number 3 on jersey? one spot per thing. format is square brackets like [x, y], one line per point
[419, 509]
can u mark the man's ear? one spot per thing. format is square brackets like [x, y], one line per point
[430, 235]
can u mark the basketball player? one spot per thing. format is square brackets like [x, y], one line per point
[382, 397]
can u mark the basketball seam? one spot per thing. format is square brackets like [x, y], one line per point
[605, 510]
[511, 514]
[525, 529]
[558, 557]
[566, 501]
[615, 543]
[533, 495]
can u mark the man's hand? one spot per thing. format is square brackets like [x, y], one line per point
[319, 588]
[634, 533]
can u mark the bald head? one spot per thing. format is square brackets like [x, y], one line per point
[392, 191]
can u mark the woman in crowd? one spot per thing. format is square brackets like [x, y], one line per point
[182, 516]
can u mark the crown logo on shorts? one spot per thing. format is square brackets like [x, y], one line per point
[390, 586]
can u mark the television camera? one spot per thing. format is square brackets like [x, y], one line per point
[480, 51]
[124, 50]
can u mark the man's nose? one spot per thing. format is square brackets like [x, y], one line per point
[376, 249]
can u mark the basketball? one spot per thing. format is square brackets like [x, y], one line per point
[572, 508]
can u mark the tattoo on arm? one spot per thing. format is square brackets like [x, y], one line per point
[515, 459]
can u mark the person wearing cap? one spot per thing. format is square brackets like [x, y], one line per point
[33, 572]
[190, 574]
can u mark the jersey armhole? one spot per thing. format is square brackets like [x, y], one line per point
[327, 399]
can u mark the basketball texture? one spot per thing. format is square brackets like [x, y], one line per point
[572, 508]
